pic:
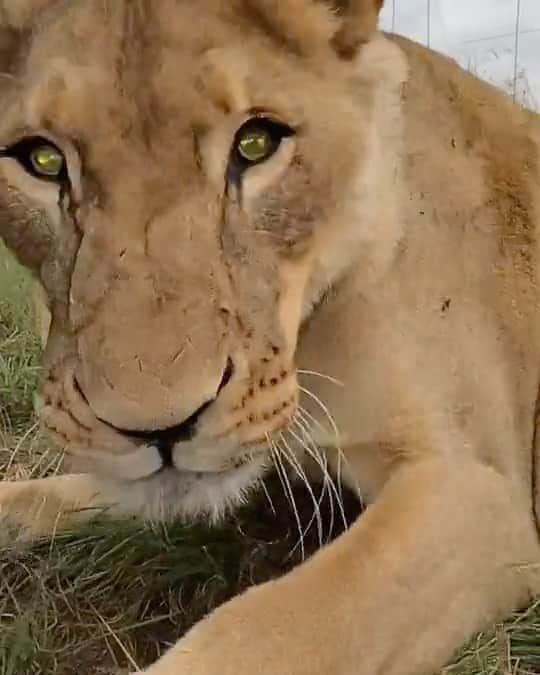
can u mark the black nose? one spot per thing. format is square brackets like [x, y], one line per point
[165, 439]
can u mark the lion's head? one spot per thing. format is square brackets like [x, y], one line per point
[177, 174]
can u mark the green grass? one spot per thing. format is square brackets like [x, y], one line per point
[18, 345]
[114, 595]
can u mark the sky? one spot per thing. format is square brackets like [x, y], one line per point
[480, 34]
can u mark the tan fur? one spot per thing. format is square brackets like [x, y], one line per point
[391, 244]
[41, 313]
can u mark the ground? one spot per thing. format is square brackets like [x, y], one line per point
[114, 595]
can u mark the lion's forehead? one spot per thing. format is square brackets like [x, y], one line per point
[120, 81]
[91, 100]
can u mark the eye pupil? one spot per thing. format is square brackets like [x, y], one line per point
[47, 160]
[255, 142]
[255, 145]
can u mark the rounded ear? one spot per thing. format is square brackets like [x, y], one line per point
[309, 26]
[302, 26]
[359, 19]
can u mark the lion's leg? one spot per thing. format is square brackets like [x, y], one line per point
[39, 508]
[446, 548]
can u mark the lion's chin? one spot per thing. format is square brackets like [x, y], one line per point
[206, 495]
[170, 493]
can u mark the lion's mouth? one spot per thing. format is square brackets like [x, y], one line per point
[168, 464]
[236, 467]
[170, 492]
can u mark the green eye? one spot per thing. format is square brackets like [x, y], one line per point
[256, 141]
[40, 157]
[47, 160]
[254, 145]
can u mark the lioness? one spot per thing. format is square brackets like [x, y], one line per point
[267, 231]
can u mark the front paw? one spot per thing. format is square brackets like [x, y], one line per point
[258, 633]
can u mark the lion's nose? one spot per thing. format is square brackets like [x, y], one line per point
[165, 439]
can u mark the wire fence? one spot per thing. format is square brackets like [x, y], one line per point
[498, 39]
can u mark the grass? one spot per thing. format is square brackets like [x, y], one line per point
[18, 346]
[114, 596]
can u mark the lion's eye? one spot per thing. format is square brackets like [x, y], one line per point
[39, 157]
[257, 140]
[255, 145]
[47, 160]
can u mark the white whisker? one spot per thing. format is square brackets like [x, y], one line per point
[285, 483]
[304, 416]
[268, 497]
[315, 454]
[318, 457]
[341, 456]
[329, 378]
[325, 410]
[321, 461]
[303, 425]
[295, 464]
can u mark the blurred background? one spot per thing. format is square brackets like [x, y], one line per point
[497, 39]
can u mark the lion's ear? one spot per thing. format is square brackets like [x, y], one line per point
[359, 19]
[311, 25]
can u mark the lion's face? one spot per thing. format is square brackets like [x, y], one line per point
[170, 173]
